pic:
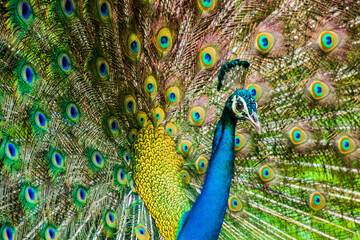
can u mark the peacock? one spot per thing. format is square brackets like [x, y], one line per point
[179, 119]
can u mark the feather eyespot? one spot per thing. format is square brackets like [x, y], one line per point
[126, 157]
[64, 63]
[28, 75]
[121, 177]
[170, 129]
[51, 233]
[173, 96]
[206, 5]
[255, 91]
[185, 147]
[8, 232]
[185, 176]
[328, 41]
[298, 136]
[57, 160]
[72, 112]
[319, 90]
[134, 45]
[208, 57]
[129, 104]
[132, 135]
[265, 42]
[164, 40]
[28, 197]
[142, 233]
[102, 68]
[133, 186]
[197, 116]
[110, 219]
[159, 115]
[234, 204]
[104, 10]
[317, 201]
[266, 173]
[41, 121]
[31, 195]
[113, 126]
[97, 160]
[240, 141]
[201, 165]
[346, 145]
[67, 7]
[142, 118]
[24, 11]
[11, 151]
[80, 195]
[150, 86]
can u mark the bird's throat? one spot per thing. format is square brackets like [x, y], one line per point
[205, 218]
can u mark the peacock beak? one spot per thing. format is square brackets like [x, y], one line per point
[254, 120]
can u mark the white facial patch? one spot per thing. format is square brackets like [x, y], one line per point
[234, 101]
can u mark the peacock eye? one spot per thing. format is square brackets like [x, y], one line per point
[239, 106]
[240, 141]
[110, 219]
[67, 6]
[266, 173]
[208, 57]
[28, 75]
[206, 5]
[104, 10]
[298, 136]
[41, 121]
[126, 157]
[159, 115]
[201, 165]
[234, 204]
[80, 195]
[346, 145]
[173, 96]
[132, 135]
[11, 151]
[142, 118]
[142, 233]
[24, 11]
[113, 126]
[120, 177]
[319, 90]
[170, 129]
[129, 104]
[8, 232]
[328, 41]
[97, 160]
[185, 147]
[317, 201]
[134, 45]
[164, 40]
[64, 63]
[255, 91]
[72, 112]
[265, 42]
[185, 176]
[150, 86]
[51, 233]
[57, 160]
[197, 116]
[102, 68]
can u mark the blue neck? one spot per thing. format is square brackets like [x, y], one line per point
[205, 218]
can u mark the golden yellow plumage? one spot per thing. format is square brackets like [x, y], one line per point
[158, 178]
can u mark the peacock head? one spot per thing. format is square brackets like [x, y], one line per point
[244, 107]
